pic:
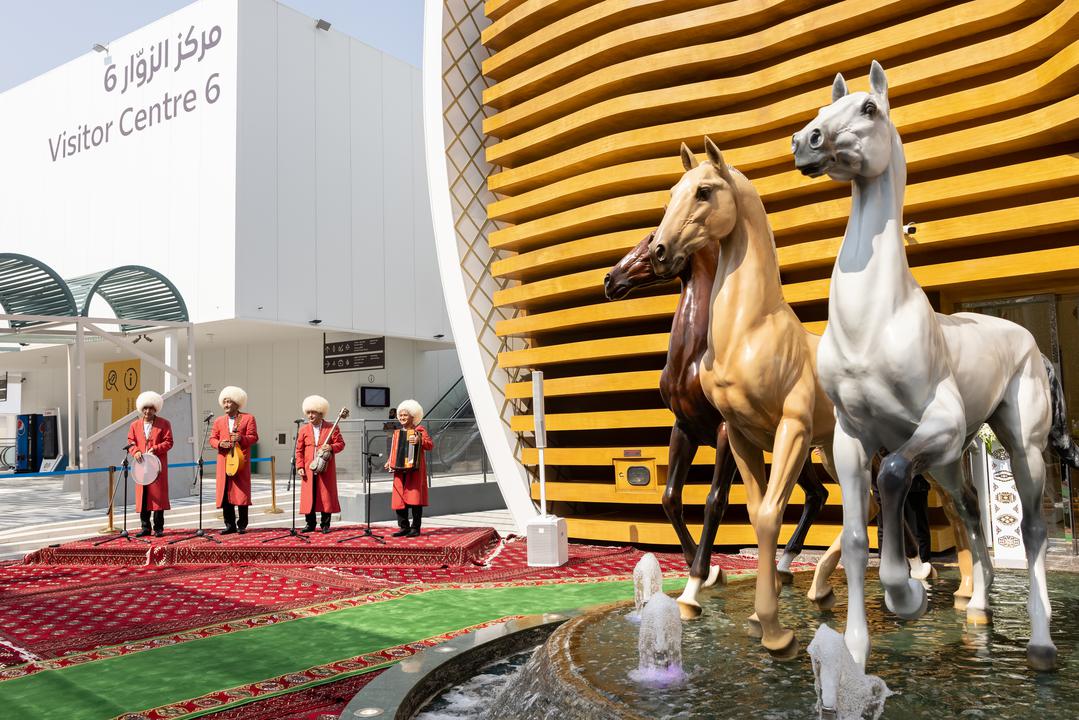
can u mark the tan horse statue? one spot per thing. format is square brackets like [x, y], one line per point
[760, 367]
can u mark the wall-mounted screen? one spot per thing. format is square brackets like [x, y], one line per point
[374, 396]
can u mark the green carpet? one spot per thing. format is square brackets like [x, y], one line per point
[109, 687]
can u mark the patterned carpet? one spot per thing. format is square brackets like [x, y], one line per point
[61, 618]
[434, 548]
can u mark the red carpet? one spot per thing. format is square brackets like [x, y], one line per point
[135, 606]
[434, 548]
[54, 615]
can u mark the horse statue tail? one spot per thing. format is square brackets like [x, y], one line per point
[1060, 438]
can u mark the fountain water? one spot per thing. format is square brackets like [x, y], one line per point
[844, 691]
[647, 581]
[659, 644]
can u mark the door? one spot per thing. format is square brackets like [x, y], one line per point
[102, 414]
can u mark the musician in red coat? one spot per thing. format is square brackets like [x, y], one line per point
[233, 429]
[318, 491]
[151, 435]
[410, 486]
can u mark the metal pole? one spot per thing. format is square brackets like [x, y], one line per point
[273, 487]
[112, 489]
[72, 435]
[540, 430]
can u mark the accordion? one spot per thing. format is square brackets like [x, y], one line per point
[403, 454]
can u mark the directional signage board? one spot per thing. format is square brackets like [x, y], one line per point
[354, 355]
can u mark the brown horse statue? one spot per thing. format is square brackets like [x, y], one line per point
[697, 422]
[759, 369]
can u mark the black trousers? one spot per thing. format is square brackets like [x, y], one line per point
[916, 512]
[229, 511]
[159, 519]
[417, 516]
[310, 518]
[916, 520]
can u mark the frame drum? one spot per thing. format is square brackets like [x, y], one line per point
[146, 471]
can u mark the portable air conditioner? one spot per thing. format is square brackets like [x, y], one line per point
[548, 541]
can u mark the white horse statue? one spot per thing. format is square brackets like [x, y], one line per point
[916, 383]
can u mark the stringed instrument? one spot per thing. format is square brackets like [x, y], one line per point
[234, 460]
[323, 456]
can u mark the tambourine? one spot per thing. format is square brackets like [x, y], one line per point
[146, 470]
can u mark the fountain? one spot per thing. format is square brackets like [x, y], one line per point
[937, 666]
[844, 691]
[659, 644]
[647, 581]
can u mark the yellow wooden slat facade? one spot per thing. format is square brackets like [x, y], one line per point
[588, 103]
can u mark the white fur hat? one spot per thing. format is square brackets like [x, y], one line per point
[413, 408]
[233, 393]
[316, 403]
[149, 399]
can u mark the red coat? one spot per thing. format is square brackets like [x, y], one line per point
[326, 500]
[160, 442]
[410, 486]
[239, 485]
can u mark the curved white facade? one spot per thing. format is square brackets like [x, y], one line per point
[457, 178]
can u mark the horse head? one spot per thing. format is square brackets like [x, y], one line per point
[703, 208]
[631, 272]
[850, 138]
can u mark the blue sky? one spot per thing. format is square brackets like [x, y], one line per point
[38, 35]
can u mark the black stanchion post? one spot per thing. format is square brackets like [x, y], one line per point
[200, 533]
[368, 458]
[292, 533]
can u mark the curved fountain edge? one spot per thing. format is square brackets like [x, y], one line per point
[399, 694]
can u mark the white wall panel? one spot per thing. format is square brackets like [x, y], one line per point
[333, 178]
[296, 227]
[257, 288]
[399, 201]
[369, 244]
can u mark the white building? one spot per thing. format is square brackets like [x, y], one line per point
[273, 171]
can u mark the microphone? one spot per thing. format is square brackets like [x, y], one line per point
[129, 446]
[208, 418]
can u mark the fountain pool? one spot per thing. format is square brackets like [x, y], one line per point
[936, 666]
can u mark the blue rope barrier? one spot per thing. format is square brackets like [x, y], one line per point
[105, 469]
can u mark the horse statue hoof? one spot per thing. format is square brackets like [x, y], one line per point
[923, 572]
[786, 577]
[716, 577]
[914, 609]
[826, 601]
[979, 616]
[961, 602]
[1042, 658]
[784, 648]
[753, 627]
[689, 609]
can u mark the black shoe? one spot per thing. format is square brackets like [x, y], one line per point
[325, 529]
[401, 533]
[229, 529]
[241, 530]
[308, 528]
[159, 533]
[414, 532]
[143, 533]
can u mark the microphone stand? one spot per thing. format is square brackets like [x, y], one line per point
[293, 532]
[123, 533]
[200, 533]
[368, 459]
